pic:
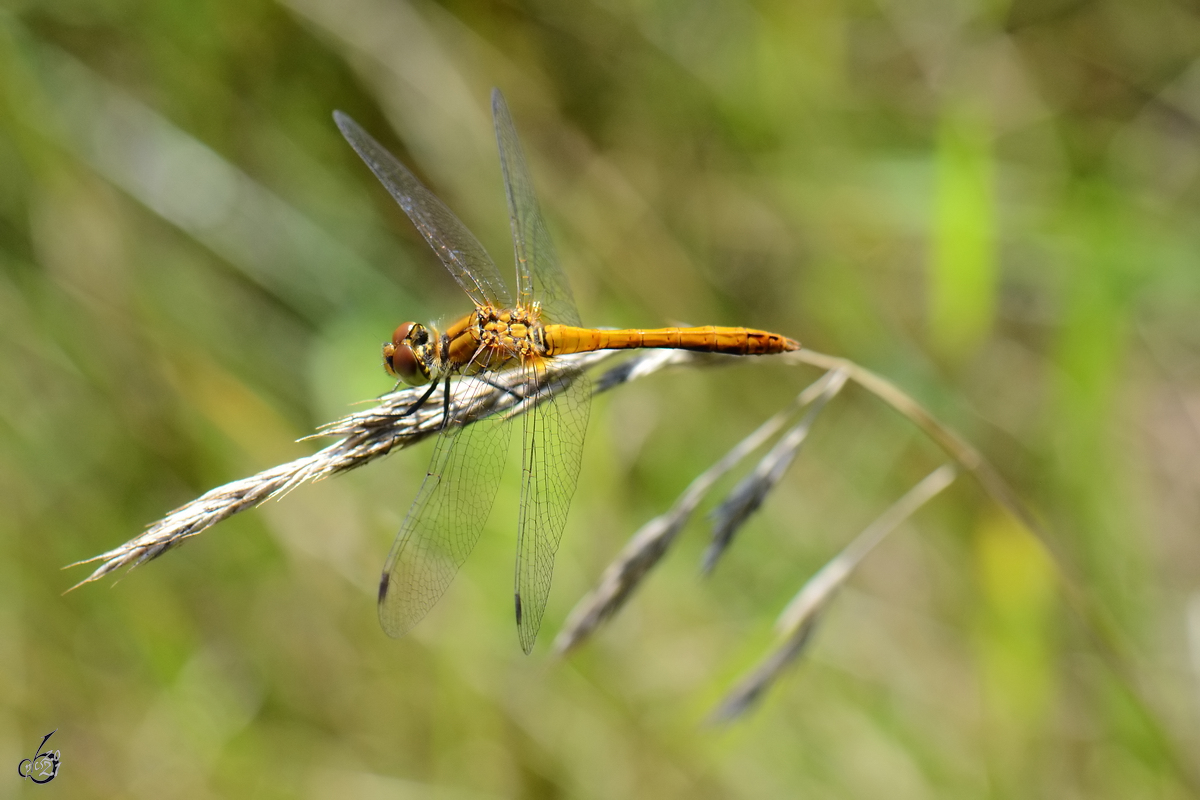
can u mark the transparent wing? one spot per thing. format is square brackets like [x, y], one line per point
[445, 520]
[456, 246]
[539, 276]
[554, 431]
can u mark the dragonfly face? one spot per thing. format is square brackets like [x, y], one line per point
[412, 354]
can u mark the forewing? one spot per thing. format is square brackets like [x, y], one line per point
[456, 246]
[554, 431]
[445, 520]
[539, 276]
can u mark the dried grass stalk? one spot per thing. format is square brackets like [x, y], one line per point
[651, 542]
[748, 495]
[799, 619]
[371, 434]
[365, 436]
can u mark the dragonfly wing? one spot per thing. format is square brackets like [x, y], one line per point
[554, 431]
[539, 276]
[456, 246]
[446, 519]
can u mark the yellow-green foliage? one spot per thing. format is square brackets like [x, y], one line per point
[994, 205]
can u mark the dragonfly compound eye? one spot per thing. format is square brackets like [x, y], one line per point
[399, 358]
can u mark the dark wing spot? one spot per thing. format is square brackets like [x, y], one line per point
[518, 596]
[383, 585]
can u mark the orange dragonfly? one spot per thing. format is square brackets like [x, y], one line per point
[500, 335]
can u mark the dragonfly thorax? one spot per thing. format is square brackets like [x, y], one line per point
[503, 337]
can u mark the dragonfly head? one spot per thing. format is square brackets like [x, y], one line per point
[410, 354]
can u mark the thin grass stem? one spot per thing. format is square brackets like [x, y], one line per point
[799, 619]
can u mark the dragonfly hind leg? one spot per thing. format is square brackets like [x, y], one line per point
[501, 388]
[445, 403]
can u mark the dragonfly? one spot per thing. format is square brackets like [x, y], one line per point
[520, 341]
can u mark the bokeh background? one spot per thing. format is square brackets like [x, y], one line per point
[994, 204]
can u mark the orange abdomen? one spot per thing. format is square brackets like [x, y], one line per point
[562, 339]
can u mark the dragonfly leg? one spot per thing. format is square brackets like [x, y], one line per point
[445, 403]
[516, 395]
[417, 405]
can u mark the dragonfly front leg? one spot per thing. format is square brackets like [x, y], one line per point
[417, 405]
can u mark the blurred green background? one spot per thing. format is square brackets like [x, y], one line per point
[993, 204]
